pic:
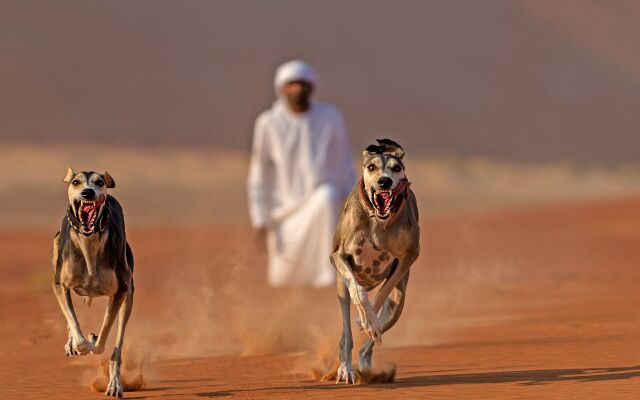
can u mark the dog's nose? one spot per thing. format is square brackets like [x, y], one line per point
[385, 182]
[88, 194]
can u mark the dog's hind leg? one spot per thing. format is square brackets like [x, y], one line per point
[114, 388]
[345, 370]
[389, 315]
[113, 307]
[77, 344]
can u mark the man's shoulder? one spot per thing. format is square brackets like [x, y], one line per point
[266, 116]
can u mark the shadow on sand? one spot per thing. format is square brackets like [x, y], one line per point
[521, 377]
[524, 377]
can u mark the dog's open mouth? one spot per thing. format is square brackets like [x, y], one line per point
[87, 212]
[386, 202]
[382, 201]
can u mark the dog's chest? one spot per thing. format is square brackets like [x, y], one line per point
[74, 275]
[371, 265]
[87, 271]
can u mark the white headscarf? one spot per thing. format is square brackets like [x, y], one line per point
[292, 71]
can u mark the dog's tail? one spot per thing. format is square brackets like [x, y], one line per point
[87, 300]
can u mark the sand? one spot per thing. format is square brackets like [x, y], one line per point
[528, 302]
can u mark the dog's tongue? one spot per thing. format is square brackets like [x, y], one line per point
[86, 213]
[384, 201]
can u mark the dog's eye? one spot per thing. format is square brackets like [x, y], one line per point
[396, 168]
[371, 167]
[100, 183]
[75, 182]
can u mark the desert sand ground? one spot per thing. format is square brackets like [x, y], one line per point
[508, 300]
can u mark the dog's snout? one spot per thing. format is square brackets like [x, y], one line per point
[88, 194]
[385, 182]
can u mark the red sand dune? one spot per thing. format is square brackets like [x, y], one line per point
[529, 303]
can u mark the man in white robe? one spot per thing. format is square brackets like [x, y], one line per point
[301, 171]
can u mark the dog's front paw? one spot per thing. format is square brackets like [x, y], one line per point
[95, 349]
[68, 348]
[114, 389]
[345, 372]
[79, 347]
[369, 321]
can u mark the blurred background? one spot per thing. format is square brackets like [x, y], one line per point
[534, 80]
[520, 120]
[474, 87]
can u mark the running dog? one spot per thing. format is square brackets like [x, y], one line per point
[91, 256]
[377, 240]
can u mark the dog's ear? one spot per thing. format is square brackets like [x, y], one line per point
[70, 174]
[388, 146]
[370, 151]
[109, 180]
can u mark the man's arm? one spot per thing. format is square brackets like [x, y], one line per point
[259, 181]
[344, 173]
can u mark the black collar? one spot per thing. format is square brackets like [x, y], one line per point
[98, 226]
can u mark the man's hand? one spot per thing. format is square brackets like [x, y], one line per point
[260, 239]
